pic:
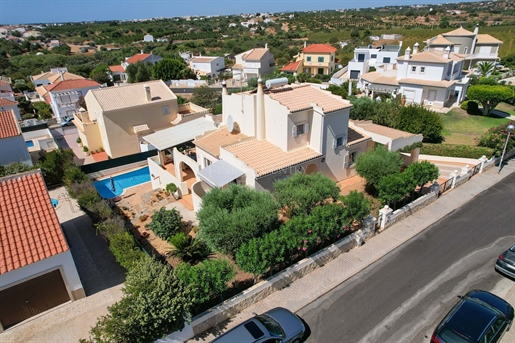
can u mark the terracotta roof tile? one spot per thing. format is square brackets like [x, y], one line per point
[203, 59]
[319, 48]
[433, 56]
[381, 130]
[378, 78]
[439, 40]
[71, 84]
[8, 124]
[212, 141]
[294, 66]
[117, 69]
[29, 228]
[255, 54]
[6, 102]
[440, 84]
[459, 32]
[266, 158]
[137, 58]
[58, 77]
[301, 97]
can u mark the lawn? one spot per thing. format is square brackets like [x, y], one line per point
[506, 108]
[459, 127]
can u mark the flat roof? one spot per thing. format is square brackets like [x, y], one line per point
[180, 133]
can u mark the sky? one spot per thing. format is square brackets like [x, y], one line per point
[51, 11]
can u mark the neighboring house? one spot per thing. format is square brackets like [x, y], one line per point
[391, 36]
[38, 142]
[292, 68]
[37, 271]
[118, 117]
[148, 38]
[6, 91]
[253, 63]
[63, 96]
[53, 76]
[118, 72]
[53, 43]
[318, 59]
[382, 58]
[8, 105]
[12, 144]
[431, 78]
[207, 66]
[477, 47]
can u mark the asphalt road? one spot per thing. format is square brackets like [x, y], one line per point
[403, 296]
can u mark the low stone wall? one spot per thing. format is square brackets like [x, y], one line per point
[410, 208]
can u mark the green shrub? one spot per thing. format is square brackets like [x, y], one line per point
[373, 165]
[124, 249]
[111, 227]
[88, 196]
[74, 174]
[101, 209]
[187, 248]
[471, 107]
[171, 188]
[165, 223]
[495, 138]
[464, 105]
[357, 206]
[451, 150]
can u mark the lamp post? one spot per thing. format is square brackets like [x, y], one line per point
[510, 129]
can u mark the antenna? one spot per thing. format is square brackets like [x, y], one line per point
[230, 123]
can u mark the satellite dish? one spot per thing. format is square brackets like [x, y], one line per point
[230, 123]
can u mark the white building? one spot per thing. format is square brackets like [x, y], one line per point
[148, 38]
[53, 76]
[207, 66]
[63, 96]
[253, 63]
[379, 57]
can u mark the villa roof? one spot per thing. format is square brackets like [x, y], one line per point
[116, 98]
[202, 59]
[459, 32]
[381, 130]
[439, 40]
[71, 84]
[42, 76]
[30, 229]
[484, 38]
[266, 158]
[304, 96]
[56, 77]
[439, 84]
[8, 125]
[213, 140]
[6, 102]
[254, 54]
[137, 58]
[117, 69]
[433, 56]
[292, 67]
[378, 78]
[319, 48]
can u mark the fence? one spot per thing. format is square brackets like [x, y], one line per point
[444, 187]
[117, 162]
[475, 170]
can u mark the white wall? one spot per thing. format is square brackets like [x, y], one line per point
[63, 261]
[60, 108]
[335, 124]
[162, 177]
[433, 71]
[250, 173]
[14, 149]
[233, 105]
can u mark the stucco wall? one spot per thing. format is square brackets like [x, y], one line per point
[234, 104]
[335, 124]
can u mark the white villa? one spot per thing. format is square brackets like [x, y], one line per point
[207, 65]
[253, 63]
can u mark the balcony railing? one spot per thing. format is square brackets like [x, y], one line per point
[491, 55]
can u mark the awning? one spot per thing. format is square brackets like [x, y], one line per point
[219, 173]
[180, 133]
[140, 128]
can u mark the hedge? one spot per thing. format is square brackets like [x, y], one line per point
[451, 150]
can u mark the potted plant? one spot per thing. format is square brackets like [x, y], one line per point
[86, 150]
[79, 141]
[171, 188]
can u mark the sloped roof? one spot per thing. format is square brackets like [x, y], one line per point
[42, 76]
[117, 69]
[6, 102]
[484, 38]
[377, 77]
[439, 40]
[213, 140]
[382, 130]
[71, 84]
[116, 98]
[29, 228]
[202, 59]
[439, 84]
[255, 54]
[137, 58]
[301, 97]
[57, 77]
[433, 56]
[8, 125]
[459, 32]
[293, 66]
[319, 48]
[355, 137]
[266, 158]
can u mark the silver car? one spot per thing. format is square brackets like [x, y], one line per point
[278, 325]
[506, 262]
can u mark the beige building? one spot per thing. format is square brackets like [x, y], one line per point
[118, 117]
[318, 59]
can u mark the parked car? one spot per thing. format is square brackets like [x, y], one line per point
[278, 325]
[478, 317]
[67, 122]
[506, 262]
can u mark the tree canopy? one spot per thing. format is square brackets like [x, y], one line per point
[490, 96]
[139, 72]
[207, 97]
[374, 164]
[169, 69]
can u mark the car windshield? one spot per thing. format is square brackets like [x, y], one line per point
[271, 325]
[512, 249]
[452, 337]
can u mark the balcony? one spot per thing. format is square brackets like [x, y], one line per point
[81, 119]
[490, 56]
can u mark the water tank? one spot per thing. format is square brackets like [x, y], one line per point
[283, 81]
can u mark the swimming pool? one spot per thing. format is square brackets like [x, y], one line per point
[29, 144]
[121, 182]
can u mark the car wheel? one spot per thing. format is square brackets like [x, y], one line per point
[296, 340]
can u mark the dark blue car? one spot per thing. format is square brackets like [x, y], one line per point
[479, 317]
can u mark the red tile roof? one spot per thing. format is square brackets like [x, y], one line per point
[71, 84]
[2, 82]
[291, 66]
[322, 48]
[29, 228]
[137, 58]
[8, 126]
[117, 69]
[6, 102]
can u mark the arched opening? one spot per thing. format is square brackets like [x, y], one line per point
[312, 168]
[187, 174]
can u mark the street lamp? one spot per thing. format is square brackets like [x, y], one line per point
[510, 129]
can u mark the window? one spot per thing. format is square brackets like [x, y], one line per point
[300, 129]
[339, 141]
[320, 58]
[361, 57]
[413, 69]
[332, 58]
[373, 56]
[352, 158]
[386, 59]
[166, 109]
[354, 74]
[207, 162]
[308, 58]
[466, 50]
[422, 70]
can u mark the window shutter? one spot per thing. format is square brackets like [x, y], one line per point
[294, 131]
[346, 161]
[306, 128]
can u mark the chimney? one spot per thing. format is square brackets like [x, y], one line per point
[407, 53]
[200, 54]
[260, 111]
[224, 88]
[415, 48]
[62, 75]
[447, 52]
[476, 30]
[305, 44]
[266, 45]
[141, 52]
[147, 92]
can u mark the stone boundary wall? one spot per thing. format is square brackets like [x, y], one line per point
[411, 208]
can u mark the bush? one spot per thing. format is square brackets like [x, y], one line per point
[88, 196]
[111, 227]
[357, 206]
[74, 175]
[101, 209]
[419, 120]
[373, 165]
[124, 249]
[166, 223]
[171, 188]
[451, 150]
[189, 249]
[495, 138]
[470, 106]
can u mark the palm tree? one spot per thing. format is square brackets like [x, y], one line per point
[485, 68]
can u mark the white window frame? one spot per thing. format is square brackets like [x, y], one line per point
[300, 129]
[343, 142]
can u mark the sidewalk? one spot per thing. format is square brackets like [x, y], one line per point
[305, 290]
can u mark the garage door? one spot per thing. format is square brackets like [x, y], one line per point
[32, 297]
[410, 96]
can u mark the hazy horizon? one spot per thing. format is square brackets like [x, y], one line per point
[60, 11]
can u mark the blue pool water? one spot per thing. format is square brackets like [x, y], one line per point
[55, 202]
[121, 182]
[29, 144]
